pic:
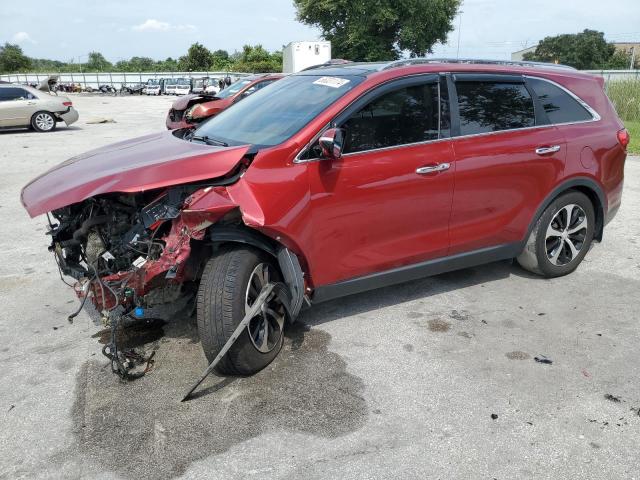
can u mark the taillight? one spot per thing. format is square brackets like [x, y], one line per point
[624, 138]
[67, 104]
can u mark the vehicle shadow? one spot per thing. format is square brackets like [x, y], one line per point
[367, 302]
[59, 129]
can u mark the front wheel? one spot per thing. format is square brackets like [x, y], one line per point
[230, 283]
[561, 237]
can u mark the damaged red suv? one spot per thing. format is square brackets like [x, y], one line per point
[338, 180]
[191, 110]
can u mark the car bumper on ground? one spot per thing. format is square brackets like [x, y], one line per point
[69, 117]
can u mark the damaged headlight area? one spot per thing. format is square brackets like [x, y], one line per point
[120, 247]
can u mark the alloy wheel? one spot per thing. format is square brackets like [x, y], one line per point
[566, 234]
[266, 328]
[44, 121]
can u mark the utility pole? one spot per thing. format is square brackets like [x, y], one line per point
[459, 32]
[633, 58]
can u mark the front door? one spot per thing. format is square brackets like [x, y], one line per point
[386, 202]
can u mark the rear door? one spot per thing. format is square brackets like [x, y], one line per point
[508, 158]
[386, 202]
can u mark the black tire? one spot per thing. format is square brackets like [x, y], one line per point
[221, 307]
[43, 122]
[552, 256]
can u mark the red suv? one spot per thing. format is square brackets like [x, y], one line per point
[189, 111]
[338, 180]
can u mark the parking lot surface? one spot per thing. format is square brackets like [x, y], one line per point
[430, 379]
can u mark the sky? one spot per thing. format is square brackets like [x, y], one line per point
[69, 29]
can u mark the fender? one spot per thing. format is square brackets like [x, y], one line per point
[287, 260]
[595, 193]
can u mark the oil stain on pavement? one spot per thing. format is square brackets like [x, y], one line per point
[141, 430]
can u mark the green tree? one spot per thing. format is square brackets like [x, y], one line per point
[97, 63]
[167, 65]
[256, 59]
[381, 29]
[198, 58]
[584, 51]
[221, 60]
[12, 59]
[620, 60]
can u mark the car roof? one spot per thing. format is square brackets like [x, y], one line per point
[415, 65]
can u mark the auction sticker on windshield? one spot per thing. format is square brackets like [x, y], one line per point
[333, 82]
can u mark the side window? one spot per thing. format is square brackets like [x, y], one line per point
[493, 106]
[558, 104]
[403, 116]
[14, 93]
[260, 85]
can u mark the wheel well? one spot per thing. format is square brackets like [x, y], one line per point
[597, 207]
[584, 186]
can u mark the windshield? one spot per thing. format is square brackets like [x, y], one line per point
[233, 88]
[183, 81]
[275, 113]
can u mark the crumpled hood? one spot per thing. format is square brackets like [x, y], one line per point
[183, 102]
[136, 165]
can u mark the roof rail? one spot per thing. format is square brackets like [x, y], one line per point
[471, 61]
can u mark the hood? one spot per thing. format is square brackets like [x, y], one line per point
[47, 84]
[183, 102]
[214, 107]
[137, 165]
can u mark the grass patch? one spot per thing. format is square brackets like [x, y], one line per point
[634, 131]
[625, 96]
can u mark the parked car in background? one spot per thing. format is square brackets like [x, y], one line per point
[154, 87]
[338, 180]
[189, 111]
[183, 86]
[27, 107]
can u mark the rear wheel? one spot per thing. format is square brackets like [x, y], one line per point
[562, 236]
[43, 122]
[230, 284]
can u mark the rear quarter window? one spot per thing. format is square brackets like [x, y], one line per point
[559, 106]
[493, 106]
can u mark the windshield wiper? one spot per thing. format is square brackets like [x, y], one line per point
[208, 140]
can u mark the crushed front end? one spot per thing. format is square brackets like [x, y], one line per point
[127, 250]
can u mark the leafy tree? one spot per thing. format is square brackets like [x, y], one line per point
[586, 50]
[12, 59]
[97, 63]
[198, 58]
[221, 60]
[256, 59]
[168, 65]
[382, 29]
[620, 60]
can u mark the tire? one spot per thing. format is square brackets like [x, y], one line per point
[43, 122]
[223, 296]
[554, 247]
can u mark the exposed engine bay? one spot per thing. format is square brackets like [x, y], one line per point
[119, 245]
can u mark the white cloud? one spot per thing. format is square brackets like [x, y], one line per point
[22, 37]
[153, 25]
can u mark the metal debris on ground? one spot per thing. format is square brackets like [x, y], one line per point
[494, 416]
[543, 359]
[612, 398]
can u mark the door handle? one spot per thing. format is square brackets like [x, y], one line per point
[546, 150]
[31, 103]
[440, 167]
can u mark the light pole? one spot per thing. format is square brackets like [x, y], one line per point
[460, 12]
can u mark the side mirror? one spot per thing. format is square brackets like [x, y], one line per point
[331, 143]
